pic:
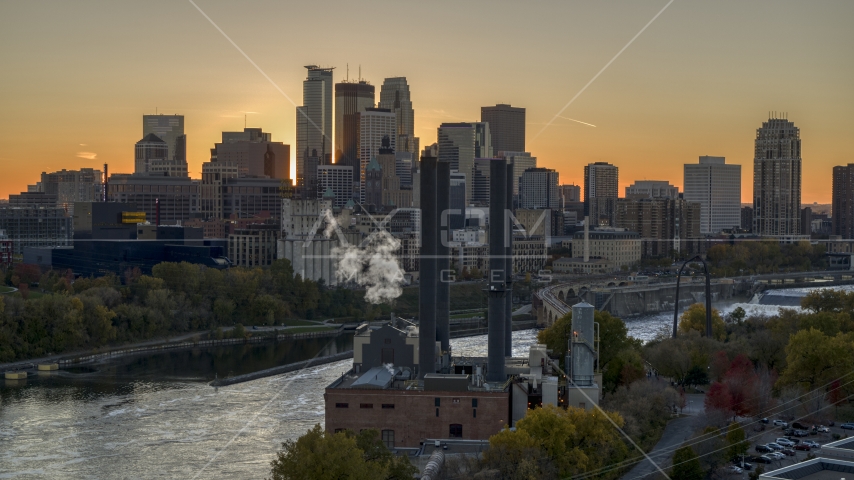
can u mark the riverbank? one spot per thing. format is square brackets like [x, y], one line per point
[269, 372]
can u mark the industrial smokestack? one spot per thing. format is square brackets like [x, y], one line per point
[508, 265]
[443, 288]
[105, 182]
[427, 268]
[497, 276]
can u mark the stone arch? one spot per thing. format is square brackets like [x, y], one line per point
[612, 284]
[623, 284]
[570, 293]
[560, 296]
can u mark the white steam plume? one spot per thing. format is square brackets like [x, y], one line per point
[372, 265]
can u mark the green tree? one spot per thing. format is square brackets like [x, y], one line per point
[686, 465]
[815, 359]
[574, 440]
[736, 440]
[695, 319]
[319, 455]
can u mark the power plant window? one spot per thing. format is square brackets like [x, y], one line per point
[388, 405]
[388, 438]
[437, 401]
[455, 431]
[366, 405]
[342, 405]
[474, 413]
[473, 403]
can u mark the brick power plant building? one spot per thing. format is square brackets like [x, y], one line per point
[405, 381]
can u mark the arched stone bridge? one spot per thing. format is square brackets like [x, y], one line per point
[623, 298]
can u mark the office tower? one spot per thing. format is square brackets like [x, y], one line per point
[170, 129]
[777, 179]
[843, 201]
[314, 125]
[538, 189]
[461, 143]
[71, 186]
[150, 153]
[716, 186]
[375, 124]
[507, 126]
[478, 191]
[458, 201]
[350, 100]
[254, 153]
[247, 197]
[569, 194]
[601, 181]
[394, 95]
[652, 189]
[392, 195]
[173, 199]
[665, 225]
[521, 161]
[747, 218]
[337, 179]
[373, 185]
[403, 168]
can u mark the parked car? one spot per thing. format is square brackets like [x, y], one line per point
[764, 420]
[812, 444]
[746, 466]
[777, 455]
[847, 426]
[780, 423]
[800, 433]
[774, 446]
[764, 459]
[734, 469]
[788, 452]
[800, 426]
[793, 440]
[802, 447]
[784, 442]
[822, 429]
[763, 449]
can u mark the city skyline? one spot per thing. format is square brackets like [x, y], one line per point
[671, 96]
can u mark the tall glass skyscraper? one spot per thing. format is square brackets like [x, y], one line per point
[394, 95]
[507, 125]
[716, 186]
[777, 179]
[350, 99]
[314, 125]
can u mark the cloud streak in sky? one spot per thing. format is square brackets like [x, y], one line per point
[87, 155]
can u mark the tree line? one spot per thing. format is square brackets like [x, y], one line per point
[64, 314]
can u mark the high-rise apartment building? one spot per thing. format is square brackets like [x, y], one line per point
[601, 180]
[461, 143]
[569, 194]
[777, 179]
[214, 175]
[375, 125]
[665, 225]
[507, 127]
[351, 98]
[170, 129]
[843, 201]
[652, 189]
[395, 96]
[71, 186]
[314, 125]
[716, 186]
[538, 189]
[254, 153]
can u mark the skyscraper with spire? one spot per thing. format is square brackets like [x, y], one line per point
[314, 128]
[777, 179]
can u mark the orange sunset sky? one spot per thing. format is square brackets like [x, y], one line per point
[76, 77]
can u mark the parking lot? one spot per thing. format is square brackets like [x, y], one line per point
[771, 433]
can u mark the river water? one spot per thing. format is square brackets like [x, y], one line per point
[155, 416]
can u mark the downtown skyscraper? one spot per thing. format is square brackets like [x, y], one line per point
[507, 126]
[601, 180]
[351, 98]
[777, 179]
[394, 95]
[716, 186]
[314, 127]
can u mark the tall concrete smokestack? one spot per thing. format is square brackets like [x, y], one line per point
[443, 288]
[427, 268]
[508, 265]
[497, 276]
